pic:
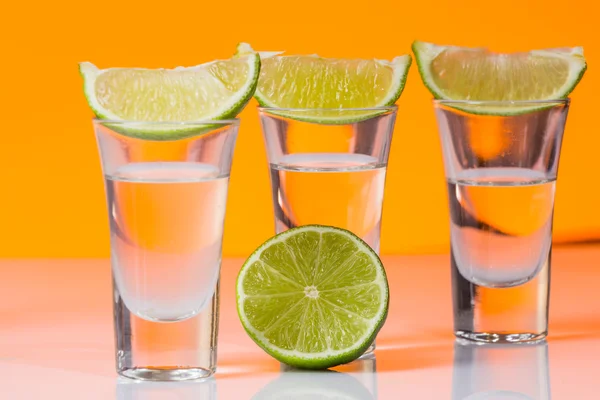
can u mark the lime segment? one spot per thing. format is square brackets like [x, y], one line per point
[459, 73]
[313, 296]
[213, 91]
[313, 82]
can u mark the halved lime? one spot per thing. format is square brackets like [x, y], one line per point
[213, 91]
[313, 297]
[460, 73]
[313, 82]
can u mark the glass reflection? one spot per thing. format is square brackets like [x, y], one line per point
[363, 369]
[500, 372]
[128, 389]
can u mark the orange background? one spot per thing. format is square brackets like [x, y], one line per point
[52, 200]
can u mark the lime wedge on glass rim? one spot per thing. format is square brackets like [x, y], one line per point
[320, 85]
[479, 75]
[313, 297]
[215, 90]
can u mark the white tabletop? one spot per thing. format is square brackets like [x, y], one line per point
[56, 341]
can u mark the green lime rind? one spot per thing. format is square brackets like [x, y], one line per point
[425, 53]
[400, 66]
[311, 360]
[175, 131]
[166, 131]
[321, 118]
[507, 109]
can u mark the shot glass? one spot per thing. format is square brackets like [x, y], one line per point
[501, 174]
[329, 173]
[166, 207]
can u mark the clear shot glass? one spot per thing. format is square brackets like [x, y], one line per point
[501, 175]
[327, 172]
[166, 207]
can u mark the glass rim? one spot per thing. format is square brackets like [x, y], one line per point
[222, 122]
[501, 102]
[393, 107]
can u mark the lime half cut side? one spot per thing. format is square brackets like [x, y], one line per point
[216, 90]
[313, 297]
[324, 87]
[501, 83]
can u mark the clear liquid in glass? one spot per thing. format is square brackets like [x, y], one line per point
[337, 189]
[501, 234]
[166, 229]
[501, 226]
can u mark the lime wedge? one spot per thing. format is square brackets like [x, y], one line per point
[313, 82]
[313, 297]
[460, 73]
[213, 91]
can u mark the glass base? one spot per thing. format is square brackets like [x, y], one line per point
[515, 314]
[166, 375]
[370, 352]
[153, 351]
[500, 338]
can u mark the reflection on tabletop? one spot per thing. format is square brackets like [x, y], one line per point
[355, 380]
[128, 389]
[491, 372]
[330, 384]
[500, 371]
